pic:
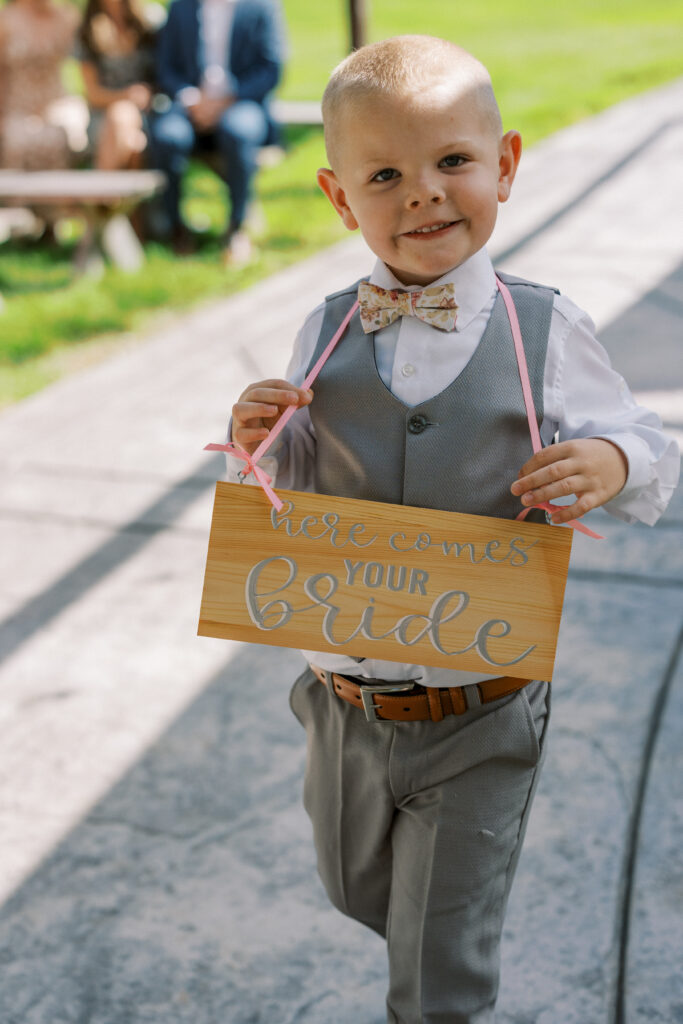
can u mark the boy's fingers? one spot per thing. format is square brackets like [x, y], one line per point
[558, 489]
[278, 392]
[273, 396]
[548, 456]
[566, 512]
[553, 473]
[265, 403]
[247, 435]
[245, 411]
[259, 408]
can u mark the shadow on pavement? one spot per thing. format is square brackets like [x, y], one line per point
[189, 893]
[159, 905]
[644, 343]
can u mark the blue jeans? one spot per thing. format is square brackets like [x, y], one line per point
[240, 132]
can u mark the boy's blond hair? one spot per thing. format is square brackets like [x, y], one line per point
[403, 66]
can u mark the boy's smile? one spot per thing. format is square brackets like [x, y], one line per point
[422, 177]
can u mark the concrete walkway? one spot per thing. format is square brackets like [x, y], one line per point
[156, 865]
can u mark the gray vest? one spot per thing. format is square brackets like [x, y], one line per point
[459, 450]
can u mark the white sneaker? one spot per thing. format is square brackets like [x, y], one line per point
[238, 251]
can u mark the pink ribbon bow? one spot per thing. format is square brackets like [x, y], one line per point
[379, 307]
[251, 467]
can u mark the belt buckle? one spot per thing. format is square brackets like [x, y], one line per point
[367, 692]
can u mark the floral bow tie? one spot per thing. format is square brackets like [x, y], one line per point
[379, 307]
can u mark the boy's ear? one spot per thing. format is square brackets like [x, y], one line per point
[510, 153]
[328, 182]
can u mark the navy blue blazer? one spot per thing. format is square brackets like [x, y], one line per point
[254, 57]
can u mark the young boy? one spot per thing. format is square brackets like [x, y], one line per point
[418, 823]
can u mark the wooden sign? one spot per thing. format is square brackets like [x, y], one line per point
[385, 581]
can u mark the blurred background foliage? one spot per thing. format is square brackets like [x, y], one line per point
[552, 64]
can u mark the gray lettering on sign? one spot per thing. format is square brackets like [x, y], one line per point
[418, 578]
[515, 553]
[448, 546]
[409, 630]
[329, 525]
[360, 528]
[373, 574]
[396, 537]
[402, 627]
[487, 630]
[440, 616]
[520, 546]
[351, 570]
[396, 577]
[281, 518]
[280, 607]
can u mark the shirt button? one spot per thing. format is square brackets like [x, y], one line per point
[417, 423]
[408, 370]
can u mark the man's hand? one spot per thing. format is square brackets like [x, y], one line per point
[206, 112]
[259, 408]
[593, 469]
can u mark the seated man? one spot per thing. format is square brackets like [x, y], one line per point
[217, 61]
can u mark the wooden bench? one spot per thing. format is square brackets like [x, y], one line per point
[105, 198]
[306, 112]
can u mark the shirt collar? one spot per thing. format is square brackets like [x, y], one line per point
[474, 282]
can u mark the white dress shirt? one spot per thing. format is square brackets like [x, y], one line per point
[215, 25]
[582, 397]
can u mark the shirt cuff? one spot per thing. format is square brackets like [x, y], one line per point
[234, 466]
[645, 495]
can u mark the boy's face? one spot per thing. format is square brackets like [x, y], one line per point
[421, 177]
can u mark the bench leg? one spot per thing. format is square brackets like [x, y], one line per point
[110, 236]
[88, 258]
[121, 245]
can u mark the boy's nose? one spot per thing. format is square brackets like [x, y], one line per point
[425, 193]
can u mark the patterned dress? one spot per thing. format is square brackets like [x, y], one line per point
[117, 71]
[40, 127]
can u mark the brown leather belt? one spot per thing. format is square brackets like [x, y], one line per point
[393, 702]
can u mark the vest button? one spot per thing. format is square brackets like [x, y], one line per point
[417, 423]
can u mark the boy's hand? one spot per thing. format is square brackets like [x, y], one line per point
[591, 468]
[259, 408]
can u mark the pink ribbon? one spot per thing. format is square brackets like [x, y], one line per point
[529, 404]
[574, 523]
[251, 460]
[264, 480]
[261, 476]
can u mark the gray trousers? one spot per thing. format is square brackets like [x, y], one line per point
[418, 827]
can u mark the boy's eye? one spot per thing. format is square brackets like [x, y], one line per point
[386, 174]
[453, 160]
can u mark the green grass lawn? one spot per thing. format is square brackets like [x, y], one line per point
[552, 64]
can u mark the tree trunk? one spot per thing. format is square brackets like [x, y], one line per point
[358, 13]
